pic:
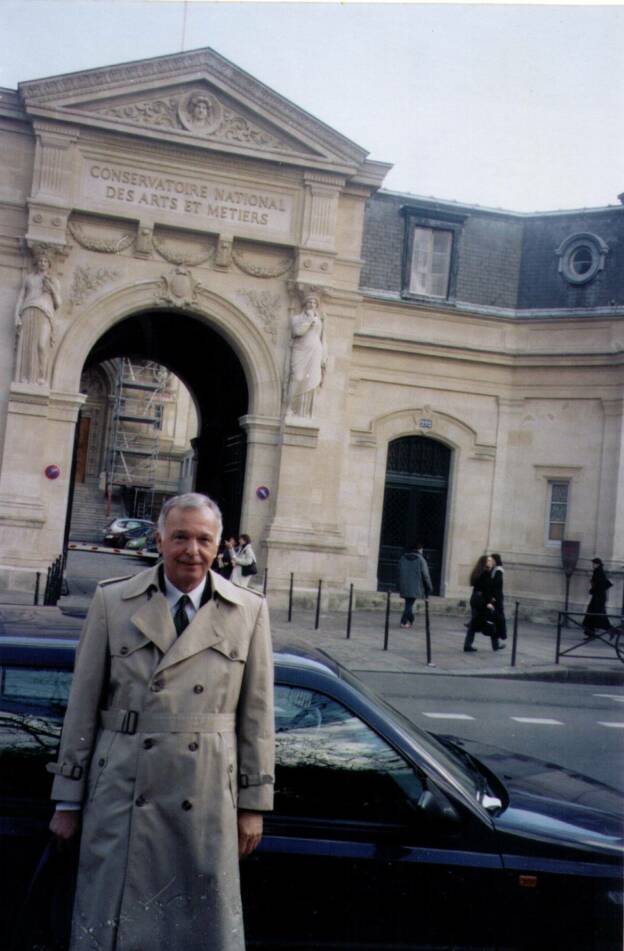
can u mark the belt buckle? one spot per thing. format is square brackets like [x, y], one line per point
[130, 722]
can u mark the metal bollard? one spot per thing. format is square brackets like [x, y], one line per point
[37, 583]
[290, 596]
[350, 612]
[264, 583]
[514, 642]
[318, 606]
[558, 647]
[428, 632]
[387, 629]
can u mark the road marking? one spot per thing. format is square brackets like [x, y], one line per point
[448, 716]
[610, 696]
[616, 725]
[537, 720]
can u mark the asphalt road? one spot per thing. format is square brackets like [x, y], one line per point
[577, 726]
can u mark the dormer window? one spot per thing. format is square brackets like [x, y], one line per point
[581, 257]
[430, 252]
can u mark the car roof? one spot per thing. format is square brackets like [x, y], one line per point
[22, 631]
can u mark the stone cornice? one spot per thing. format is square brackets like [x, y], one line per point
[394, 299]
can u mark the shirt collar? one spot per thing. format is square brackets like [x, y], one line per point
[173, 594]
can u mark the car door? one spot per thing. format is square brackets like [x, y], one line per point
[32, 705]
[349, 859]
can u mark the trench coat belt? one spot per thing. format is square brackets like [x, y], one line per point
[133, 721]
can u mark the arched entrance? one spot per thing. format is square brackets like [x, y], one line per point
[203, 360]
[414, 508]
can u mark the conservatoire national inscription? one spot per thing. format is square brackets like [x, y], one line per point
[213, 202]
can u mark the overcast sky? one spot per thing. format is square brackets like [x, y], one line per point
[519, 107]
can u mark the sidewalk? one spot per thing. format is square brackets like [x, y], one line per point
[407, 652]
[593, 662]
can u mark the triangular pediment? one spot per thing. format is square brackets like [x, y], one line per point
[199, 99]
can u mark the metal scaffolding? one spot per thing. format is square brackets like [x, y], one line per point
[136, 422]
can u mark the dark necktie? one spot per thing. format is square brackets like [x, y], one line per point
[180, 617]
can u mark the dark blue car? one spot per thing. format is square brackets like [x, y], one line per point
[383, 836]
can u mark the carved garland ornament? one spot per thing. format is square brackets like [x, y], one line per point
[103, 245]
[256, 270]
[182, 258]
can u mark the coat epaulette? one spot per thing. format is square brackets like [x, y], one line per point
[107, 581]
[259, 594]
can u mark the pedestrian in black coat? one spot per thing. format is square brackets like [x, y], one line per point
[498, 574]
[414, 581]
[482, 605]
[596, 617]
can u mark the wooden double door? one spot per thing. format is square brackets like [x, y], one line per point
[414, 509]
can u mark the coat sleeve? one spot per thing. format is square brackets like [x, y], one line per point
[81, 720]
[255, 725]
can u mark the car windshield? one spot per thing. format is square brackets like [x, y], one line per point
[452, 764]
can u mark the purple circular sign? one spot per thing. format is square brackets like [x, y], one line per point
[52, 472]
[262, 492]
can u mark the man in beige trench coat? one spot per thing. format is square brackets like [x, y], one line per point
[167, 753]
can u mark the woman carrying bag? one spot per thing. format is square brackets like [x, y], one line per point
[244, 561]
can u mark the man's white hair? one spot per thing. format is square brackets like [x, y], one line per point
[190, 500]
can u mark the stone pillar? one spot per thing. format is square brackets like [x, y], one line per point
[262, 469]
[610, 510]
[500, 534]
[39, 432]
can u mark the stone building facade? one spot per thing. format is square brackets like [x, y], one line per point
[365, 366]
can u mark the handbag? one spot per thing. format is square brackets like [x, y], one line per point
[247, 570]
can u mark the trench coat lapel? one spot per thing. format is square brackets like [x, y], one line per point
[152, 616]
[154, 619]
[210, 624]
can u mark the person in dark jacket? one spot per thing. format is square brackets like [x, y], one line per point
[596, 617]
[414, 581]
[482, 605]
[499, 598]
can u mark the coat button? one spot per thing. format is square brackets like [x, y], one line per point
[124, 650]
[101, 762]
[233, 654]
[198, 688]
[186, 805]
[193, 746]
[147, 744]
[157, 685]
[140, 801]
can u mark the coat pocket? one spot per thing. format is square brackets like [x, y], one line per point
[100, 760]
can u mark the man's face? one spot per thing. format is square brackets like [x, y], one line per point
[188, 546]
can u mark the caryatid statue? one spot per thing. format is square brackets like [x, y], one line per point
[308, 357]
[39, 298]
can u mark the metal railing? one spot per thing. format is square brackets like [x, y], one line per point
[612, 636]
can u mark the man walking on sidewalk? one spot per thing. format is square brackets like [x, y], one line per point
[414, 581]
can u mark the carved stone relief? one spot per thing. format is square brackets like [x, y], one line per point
[183, 250]
[179, 288]
[275, 268]
[266, 306]
[104, 243]
[86, 281]
[199, 112]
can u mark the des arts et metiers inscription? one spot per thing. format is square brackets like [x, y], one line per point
[123, 184]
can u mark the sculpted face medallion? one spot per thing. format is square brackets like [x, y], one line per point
[200, 112]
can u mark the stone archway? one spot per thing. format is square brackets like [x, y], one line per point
[41, 422]
[217, 364]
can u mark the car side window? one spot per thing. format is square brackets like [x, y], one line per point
[332, 765]
[32, 705]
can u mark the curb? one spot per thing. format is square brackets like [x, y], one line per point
[584, 675]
